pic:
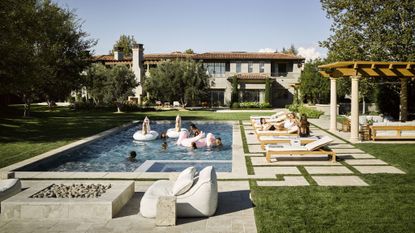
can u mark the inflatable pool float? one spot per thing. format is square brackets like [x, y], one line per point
[146, 134]
[175, 132]
[200, 140]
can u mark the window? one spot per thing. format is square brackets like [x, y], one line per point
[217, 98]
[250, 67]
[238, 67]
[282, 68]
[261, 67]
[215, 69]
[250, 95]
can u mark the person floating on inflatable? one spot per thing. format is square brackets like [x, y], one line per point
[199, 141]
[146, 134]
[174, 132]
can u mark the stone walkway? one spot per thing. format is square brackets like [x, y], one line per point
[300, 171]
[234, 214]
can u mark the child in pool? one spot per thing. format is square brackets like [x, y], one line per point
[132, 156]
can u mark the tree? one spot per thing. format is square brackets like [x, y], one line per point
[372, 30]
[120, 84]
[110, 85]
[235, 91]
[290, 50]
[189, 51]
[183, 80]
[267, 90]
[125, 44]
[314, 88]
[44, 50]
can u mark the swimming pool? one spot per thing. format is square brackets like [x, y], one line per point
[110, 154]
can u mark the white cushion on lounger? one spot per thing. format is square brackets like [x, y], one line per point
[284, 147]
[184, 181]
[325, 140]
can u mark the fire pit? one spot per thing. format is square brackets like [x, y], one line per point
[72, 191]
[73, 200]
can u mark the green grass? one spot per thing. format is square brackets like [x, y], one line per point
[387, 205]
[23, 138]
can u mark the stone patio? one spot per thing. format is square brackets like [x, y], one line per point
[234, 214]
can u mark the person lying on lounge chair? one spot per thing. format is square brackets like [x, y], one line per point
[287, 124]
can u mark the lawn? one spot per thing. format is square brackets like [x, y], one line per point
[387, 205]
[23, 138]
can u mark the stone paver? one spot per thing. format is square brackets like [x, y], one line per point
[261, 171]
[348, 150]
[295, 161]
[365, 162]
[378, 169]
[354, 156]
[255, 149]
[339, 181]
[288, 181]
[328, 170]
[341, 146]
[252, 139]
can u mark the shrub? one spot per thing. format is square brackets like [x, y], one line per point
[301, 109]
[254, 105]
[235, 105]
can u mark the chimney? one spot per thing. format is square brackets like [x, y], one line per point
[138, 69]
[118, 54]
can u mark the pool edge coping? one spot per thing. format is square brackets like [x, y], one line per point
[239, 170]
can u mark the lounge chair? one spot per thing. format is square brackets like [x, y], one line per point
[193, 199]
[311, 148]
[176, 104]
[265, 140]
[9, 187]
[286, 132]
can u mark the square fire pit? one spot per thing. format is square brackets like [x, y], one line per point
[104, 206]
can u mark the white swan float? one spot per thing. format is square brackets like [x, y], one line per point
[175, 132]
[146, 134]
[200, 140]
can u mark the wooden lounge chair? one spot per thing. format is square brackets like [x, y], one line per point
[291, 132]
[312, 148]
[265, 140]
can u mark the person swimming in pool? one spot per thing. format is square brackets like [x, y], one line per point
[132, 156]
[164, 146]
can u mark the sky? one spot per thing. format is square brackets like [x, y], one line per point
[205, 25]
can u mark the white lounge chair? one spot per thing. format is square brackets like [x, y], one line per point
[176, 104]
[9, 188]
[311, 148]
[265, 140]
[195, 200]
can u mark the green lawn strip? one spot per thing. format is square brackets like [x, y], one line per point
[387, 205]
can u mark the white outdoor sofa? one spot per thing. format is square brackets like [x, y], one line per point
[196, 196]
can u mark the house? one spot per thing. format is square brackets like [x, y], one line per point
[250, 68]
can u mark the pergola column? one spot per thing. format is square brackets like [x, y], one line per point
[354, 123]
[333, 105]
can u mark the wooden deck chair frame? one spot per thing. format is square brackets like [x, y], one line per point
[331, 153]
[283, 140]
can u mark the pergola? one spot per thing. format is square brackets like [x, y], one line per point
[357, 70]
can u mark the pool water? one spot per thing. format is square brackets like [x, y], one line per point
[110, 154]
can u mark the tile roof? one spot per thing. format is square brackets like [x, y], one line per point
[109, 58]
[246, 55]
[207, 56]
